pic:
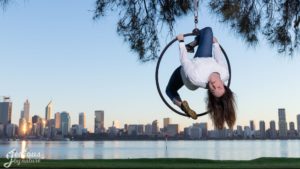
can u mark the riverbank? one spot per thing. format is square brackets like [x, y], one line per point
[160, 163]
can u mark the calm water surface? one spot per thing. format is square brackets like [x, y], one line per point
[217, 150]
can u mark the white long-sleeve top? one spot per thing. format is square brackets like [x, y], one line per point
[196, 71]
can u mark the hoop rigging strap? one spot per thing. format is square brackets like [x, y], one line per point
[196, 4]
[157, 75]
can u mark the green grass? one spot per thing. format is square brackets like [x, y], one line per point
[162, 163]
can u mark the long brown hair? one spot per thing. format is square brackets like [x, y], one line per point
[222, 109]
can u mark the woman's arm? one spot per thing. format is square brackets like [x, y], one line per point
[183, 55]
[218, 54]
[220, 59]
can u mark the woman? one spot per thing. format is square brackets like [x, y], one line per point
[206, 70]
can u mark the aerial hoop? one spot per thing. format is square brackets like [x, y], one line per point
[157, 74]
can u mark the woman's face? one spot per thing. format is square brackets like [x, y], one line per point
[216, 86]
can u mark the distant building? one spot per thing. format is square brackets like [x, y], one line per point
[262, 130]
[187, 132]
[140, 129]
[51, 130]
[26, 111]
[116, 124]
[35, 119]
[132, 129]
[167, 121]
[204, 131]
[5, 111]
[57, 120]
[247, 132]
[292, 133]
[113, 131]
[273, 133]
[2, 130]
[76, 130]
[23, 127]
[99, 122]
[48, 111]
[172, 130]
[65, 123]
[125, 128]
[11, 130]
[82, 119]
[252, 125]
[282, 123]
[195, 132]
[155, 127]
[148, 129]
[298, 123]
[239, 131]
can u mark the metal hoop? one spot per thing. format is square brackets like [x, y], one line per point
[157, 74]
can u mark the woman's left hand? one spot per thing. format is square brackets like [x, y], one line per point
[215, 40]
[180, 37]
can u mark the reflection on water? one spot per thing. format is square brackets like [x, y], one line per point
[219, 150]
[23, 149]
[283, 148]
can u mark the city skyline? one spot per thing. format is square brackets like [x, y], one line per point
[71, 59]
[281, 124]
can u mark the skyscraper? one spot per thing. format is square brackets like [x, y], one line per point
[282, 123]
[273, 133]
[99, 121]
[82, 119]
[22, 114]
[292, 126]
[155, 127]
[252, 125]
[167, 121]
[22, 127]
[26, 111]
[65, 123]
[57, 120]
[5, 111]
[203, 127]
[48, 111]
[298, 123]
[262, 129]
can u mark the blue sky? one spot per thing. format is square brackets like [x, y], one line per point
[55, 51]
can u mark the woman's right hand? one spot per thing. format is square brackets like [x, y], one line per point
[180, 37]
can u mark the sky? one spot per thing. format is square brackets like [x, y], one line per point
[54, 50]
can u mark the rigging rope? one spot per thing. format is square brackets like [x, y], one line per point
[196, 4]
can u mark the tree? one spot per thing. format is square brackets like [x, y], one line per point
[139, 21]
[276, 20]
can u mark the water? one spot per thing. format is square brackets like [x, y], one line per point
[216, 150]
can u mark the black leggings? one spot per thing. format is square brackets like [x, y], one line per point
[175, 83]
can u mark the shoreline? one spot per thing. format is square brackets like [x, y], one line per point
[165, 163]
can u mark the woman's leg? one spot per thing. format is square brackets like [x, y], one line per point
[205, 40]
[175, 83]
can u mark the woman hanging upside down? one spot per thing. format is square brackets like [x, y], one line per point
[206, 70]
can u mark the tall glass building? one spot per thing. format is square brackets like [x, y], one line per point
[65, 123]
[282, 123]
[5, 111]
[48, 111]
[99, 121]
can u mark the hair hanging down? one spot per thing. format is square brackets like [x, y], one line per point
[222, 109]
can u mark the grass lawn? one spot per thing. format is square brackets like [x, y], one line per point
[161, 163]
